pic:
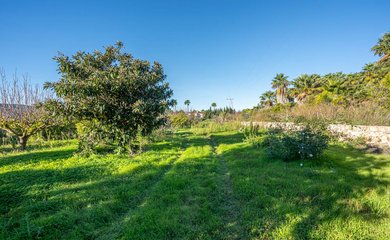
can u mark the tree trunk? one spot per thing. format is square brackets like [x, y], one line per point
[23, 142]
[281, 98]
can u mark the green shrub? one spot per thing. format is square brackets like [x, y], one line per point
[306, 142]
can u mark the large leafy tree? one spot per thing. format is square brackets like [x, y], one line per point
[187, 103]
[280, 83]
[118, 95]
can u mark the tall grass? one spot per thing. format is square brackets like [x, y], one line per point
[208, 127]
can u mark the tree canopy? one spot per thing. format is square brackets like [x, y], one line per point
[119, 94]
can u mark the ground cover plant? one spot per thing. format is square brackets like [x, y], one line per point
[192, 186]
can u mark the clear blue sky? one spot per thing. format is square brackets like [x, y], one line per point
[211, 50]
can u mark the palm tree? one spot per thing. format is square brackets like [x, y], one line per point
[214, 105]
[304, 86]
[174, 104]
[332, 88]
[187, 103]
[280, 83]
[382, 48]
[267, 99]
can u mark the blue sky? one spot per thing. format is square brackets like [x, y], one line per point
[211, 50]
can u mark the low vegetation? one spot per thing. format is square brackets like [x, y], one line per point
[303, 141]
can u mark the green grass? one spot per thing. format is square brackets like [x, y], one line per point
[193, 187]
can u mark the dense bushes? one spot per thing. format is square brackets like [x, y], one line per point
[306, 141]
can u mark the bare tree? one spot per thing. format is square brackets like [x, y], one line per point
[21, 108]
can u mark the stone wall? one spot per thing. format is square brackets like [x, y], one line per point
[374, 135]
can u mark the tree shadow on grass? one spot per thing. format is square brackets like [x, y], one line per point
[178, 140]
[6, 149]
[33, 157]
[228, 138]
[274, 194]
[16, 186]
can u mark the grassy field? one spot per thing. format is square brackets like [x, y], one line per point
[193, 187]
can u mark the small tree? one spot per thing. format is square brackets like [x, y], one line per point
[114, 94]
[21, 109]
[214, 105]
[280, 83]
[174, 104]
[267, 99]
[187, 103]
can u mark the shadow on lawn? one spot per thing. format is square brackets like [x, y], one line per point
[17, 186]
[31, 157]
[6, 149]
[271, 192]
[178, 140]
[228, 138]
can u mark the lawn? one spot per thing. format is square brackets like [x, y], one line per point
[193, 186]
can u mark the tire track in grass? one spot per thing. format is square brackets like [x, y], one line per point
[231, 213]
